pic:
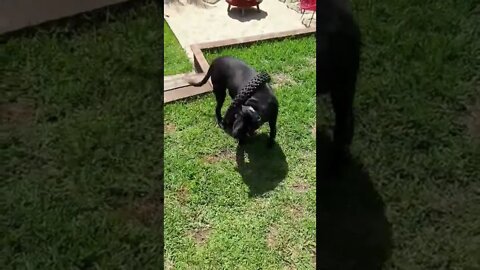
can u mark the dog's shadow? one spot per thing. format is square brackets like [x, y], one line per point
[261, 168]
[352, 229]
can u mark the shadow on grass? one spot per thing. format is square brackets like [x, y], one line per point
[265, 168]
[352, 229]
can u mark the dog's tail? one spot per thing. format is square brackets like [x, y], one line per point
[204, 80]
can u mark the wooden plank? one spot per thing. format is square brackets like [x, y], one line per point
[174, 84]
[185, 92]
[175, 81]
[177, 76]
[179, 80]
[201, 64]
[17, 14]
[256, 38]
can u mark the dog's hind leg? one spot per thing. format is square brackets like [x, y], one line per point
[220, 94]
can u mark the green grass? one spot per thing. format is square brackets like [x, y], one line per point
[263, 215]
[419, 77]
[81, 159]
[410, 196]
[81, 152]
[175, 60]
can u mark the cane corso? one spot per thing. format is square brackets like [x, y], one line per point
[262, 106]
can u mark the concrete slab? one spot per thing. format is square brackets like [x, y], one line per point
[17, 14]
[202, 23]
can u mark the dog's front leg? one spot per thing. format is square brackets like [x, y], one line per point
[273, 131]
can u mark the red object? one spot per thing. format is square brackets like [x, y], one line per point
[310, 5]
[244, 4]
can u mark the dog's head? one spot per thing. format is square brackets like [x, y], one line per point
[246, 120]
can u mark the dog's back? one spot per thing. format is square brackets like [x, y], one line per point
[235, 74]
[232, 73]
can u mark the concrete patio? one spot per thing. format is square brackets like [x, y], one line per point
[202, 23]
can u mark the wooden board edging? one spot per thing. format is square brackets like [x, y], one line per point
[201, 64]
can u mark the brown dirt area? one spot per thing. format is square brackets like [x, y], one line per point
[200, 236]
[282, 79]
[300, 187]
[170, 128]
[17, 113]
[296, 212]
[182, 195]
[272, 237]
[222, 155]
[148, 210]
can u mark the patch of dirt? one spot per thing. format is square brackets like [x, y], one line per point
[300, 187]
[17, 113]
[295, 252]
[282, 79]
[147, 210]
[296, 212]
[473, 120]
[170, 128]
[272, 237]
[222, 155]
[182, 195]
[200, 236]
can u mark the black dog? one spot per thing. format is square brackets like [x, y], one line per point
[338, 59]
[233, 74]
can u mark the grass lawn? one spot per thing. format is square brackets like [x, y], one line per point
[410, 196]
[415, 147]
[261, 216]
[81, 144]
[81, 151]
[175, 59]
